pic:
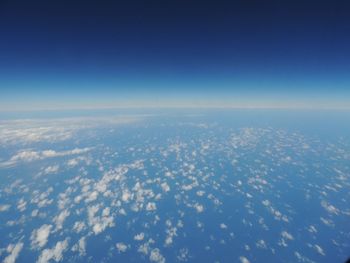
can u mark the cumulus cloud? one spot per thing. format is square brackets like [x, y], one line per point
[156, 256]
[79, 226]
[243, 259]
[139, 237]
[287, 235]
[151, 206]
[40, 236]
[75, 161]
[183, 255]
[165, 187]
[59, 220]
[92, 197]
[121, 247]
[14, 251]
[55, 253]
[126, 195]
[223, 226]
[51, 169]
[199, 208]
[99, 223]
[80, 246]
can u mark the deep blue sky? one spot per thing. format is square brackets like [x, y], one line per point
[115, 53]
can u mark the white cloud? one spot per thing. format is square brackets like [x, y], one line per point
[287, 235]
[92, 197]
[156, 256]
[55, 253]
[223, 226]
[183, 254]
[319, 250]
[79, 226]
[59, 220]
[121, 247]
[151, 206]
[80, 246]
[243, 259]
[4, 208]
[26, 131]
[99, 223]
[14, 251]
[199, 208]
[261, 244]
[139, 237]
[165, 187]
[29, 155]
[126, 195]
[330, 208]
[72, 162]
[21, 205]
[51, 169]
[39, 237]
[200, 193]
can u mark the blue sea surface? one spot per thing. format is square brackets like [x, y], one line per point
[175, 186]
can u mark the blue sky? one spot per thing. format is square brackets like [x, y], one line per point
[175, 53]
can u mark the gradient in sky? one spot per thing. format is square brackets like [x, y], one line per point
[86, 54]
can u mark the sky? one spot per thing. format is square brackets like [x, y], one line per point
[102, 54]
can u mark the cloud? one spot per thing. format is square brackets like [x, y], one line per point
[59, 220]
[156, 256]
[55, 253]
[51, 169]
[330, 208]
[139, 237]
[14, 251]
[99, 223]
[27, 131]
[199, 208]
[22, 205]
[4, 208]
[243, 259]
[151, 206]
[121, 247]
[287, 235]
[319, 250]
[30, 156]
[92, 197]
[13, 133]
[40, 236]
[223, 226]
[79, 226]
[165, 187]
[126, 195]
[80, 246]
[183, 255]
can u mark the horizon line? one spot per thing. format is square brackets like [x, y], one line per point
[190, 107]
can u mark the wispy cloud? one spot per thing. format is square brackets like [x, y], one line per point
[26, 156]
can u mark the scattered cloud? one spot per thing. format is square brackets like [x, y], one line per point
[80, 246]
[40, 236]
[4, 208]
[59, 219]
[55, 253]
[14, 251]
[121, 247]
[139, 237]
[156, 256]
